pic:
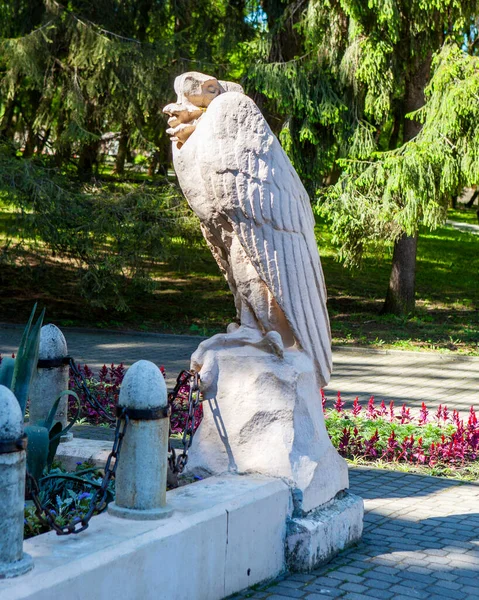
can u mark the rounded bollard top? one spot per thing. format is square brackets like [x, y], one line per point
[11, 417]
[52, 343]
[143, 387]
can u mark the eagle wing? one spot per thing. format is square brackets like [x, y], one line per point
[251, 182]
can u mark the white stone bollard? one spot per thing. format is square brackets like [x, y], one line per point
[50, 382]
[13, 561]
[141, 473]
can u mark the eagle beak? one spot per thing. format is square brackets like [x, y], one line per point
[182, 121]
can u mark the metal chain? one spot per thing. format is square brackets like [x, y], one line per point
[89, 397]
[178, 463]
[97, 502]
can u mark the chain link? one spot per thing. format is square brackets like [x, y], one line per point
[97, 502]
[178, 463]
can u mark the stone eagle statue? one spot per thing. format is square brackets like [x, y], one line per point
[256, 217]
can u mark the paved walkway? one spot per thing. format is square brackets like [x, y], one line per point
[466, 227]
[411, 377]
[421, 540]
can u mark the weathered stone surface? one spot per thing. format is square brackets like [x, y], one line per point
[320, 535]
[11, 418]
[262, 378]
[263, 415]
[48, 384]
[13, 561]
[256, 217]
[141, 472]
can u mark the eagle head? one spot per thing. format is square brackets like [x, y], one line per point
[195, 92]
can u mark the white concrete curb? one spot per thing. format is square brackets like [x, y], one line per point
[229, 533]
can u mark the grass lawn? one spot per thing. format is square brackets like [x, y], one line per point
[464, 215]
[190, 296]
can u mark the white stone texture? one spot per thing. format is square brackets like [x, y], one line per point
[48, 384]
[320, 535]
[263, 415]
[140, 488]
[13, 561]
[225, 534]
[81, 450]
[255, 214]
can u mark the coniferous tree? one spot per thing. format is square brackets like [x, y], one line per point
[356, 70]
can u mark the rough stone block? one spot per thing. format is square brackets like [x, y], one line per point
[316, 538]
[264, 416]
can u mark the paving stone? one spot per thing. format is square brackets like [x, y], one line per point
[288, 592]
[353, 587]
[387, 569]
[306, 577]
[278, 597]
[378, 584]
[381, 594]
[415, 585]
[342, 576]
[451, 585]
[392, 579]
[352, 570]
[292, 583]
[454, 594]
[326, 581]
[444, 575]
[407, 591]
[326, 593]
[418, 577]
[471, 590]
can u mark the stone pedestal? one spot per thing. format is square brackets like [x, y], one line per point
[49, 383]
[140, 482]
[13, 561]
[263, 414]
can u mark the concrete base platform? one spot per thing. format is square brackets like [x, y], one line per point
[229, 532]
[316, 538]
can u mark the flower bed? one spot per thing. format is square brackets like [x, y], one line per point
[440, 443]
[106, 389]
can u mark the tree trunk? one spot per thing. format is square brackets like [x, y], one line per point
[402, 282]
[400, 296]
[7, 129]
[88, 159]
[30, 143]
[472, 199]
[121, 154]
[155, 158]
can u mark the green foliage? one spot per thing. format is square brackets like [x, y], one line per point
[115, 230]
[395, 191]
[6, 371]
[26, 359]
[37, 449]
[342, 95]
[67, 495]
[430, 433]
